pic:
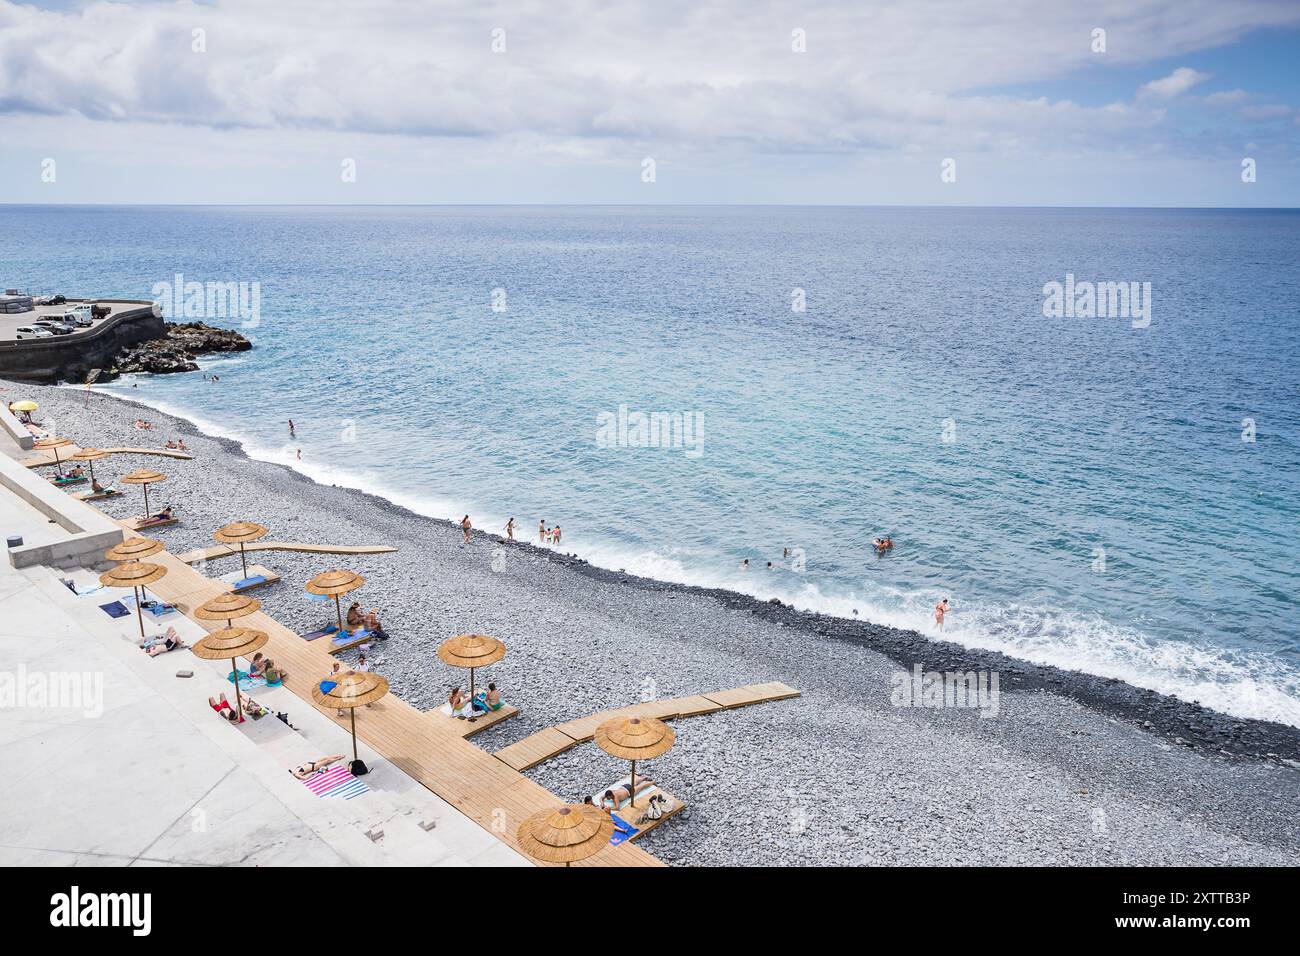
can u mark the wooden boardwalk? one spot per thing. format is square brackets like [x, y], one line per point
[46, 456]
[225, 550]
[475, 782]
[552, 741]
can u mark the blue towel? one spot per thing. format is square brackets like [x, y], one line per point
[247, 680]
[255, 579]
[324, 631]
[328, 685]
[114, 609]
[623, 830]
[346, 638]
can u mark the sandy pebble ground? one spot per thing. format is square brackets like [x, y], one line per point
[1072, 770]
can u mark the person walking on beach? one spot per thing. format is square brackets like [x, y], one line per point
[510, 530]
[291, 434]
[465, 526]
[940, 610]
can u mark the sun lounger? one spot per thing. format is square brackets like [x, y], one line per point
[61, 480]
[325, 631]
[346, 640]
[258, 576]
[634, 817]
[97, 495]
[153, 521]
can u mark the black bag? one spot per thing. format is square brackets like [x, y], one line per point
[358, 768]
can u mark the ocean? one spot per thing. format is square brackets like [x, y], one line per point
[684, 388]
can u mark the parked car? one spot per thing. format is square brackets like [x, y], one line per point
[33, 332]
[78, 316]
[55, 326]
[55, 299]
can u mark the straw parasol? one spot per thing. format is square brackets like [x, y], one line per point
[53, 444]
[230, 642]
[134, 575]
[635, 738]
[573, 831]
[133, 549]
[471, 650]
[239, 532]
[23, 405]
[227, 607]
[352, 689]
[145, 477]
[90, 456]
[334, 583]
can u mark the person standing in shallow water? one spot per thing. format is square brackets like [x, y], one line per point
[510, 530]
[465, 526]
[541, 531]
[291, 433]
[940, 610]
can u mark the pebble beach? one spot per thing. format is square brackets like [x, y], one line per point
[1072, 770]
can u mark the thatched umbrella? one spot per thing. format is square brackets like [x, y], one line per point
[134, 575]
[471, 650]
[566, 833]
[352, 689]
[53, 444]
[133, 549]
[227, 607]
[23, 405]
[145, 477]
[334, 583]
[233, 643]
[90, 456]
[635, 738]
[239, 532]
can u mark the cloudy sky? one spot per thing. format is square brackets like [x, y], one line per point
[273, 101]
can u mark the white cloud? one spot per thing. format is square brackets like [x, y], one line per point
[1175, 84]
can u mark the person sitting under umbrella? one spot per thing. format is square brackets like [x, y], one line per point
[369, 621]
[462, 707]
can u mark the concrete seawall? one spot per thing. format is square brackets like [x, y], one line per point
[70, 357]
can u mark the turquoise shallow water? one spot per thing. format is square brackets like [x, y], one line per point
[1079, 488]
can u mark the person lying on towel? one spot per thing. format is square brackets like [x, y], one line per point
[161, 645]
[315, 766]
[613, 799]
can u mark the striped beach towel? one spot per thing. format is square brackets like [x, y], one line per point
[337, 781]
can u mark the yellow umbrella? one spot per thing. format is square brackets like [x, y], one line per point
[566, 833]
[90, 455]
[635, 738]
[133, 549]
[133, 575]
[335, 582]
[145, 477]
[24, 405]
[471, 650]
[231, 642]
[352, 689]
[227, 607]
[239, 532]
[54, 444]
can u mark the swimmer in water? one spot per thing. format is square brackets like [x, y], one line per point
[940, 610]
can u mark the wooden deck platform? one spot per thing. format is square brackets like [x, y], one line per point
[467, 729]
[552, 741]
[144, 524]
[472, 780]
[41, 458]
[254, 571]
[225, 550]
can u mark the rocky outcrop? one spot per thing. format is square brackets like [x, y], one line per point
[177, 350]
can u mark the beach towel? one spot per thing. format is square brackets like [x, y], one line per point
[72, 586]
[249, 582]
[247, 680]
[623, 831]
[346, 637]
[150, 606]
[336, 781]
[114, 609]
[323, 632]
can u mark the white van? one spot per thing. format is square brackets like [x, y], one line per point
[78, 315]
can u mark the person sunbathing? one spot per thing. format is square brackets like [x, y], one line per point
[257, 666]
[171, 443]
[224, 709]
[95, 487]
[168, 642]
[273, 674]
[488, 700]
[613, 798]
[369, 621]
[461, 706]
[180, 444]
[315, 766]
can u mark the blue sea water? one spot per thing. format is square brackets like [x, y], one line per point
[1079, 488]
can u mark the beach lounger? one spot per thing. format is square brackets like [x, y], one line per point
[325, 631]
[140, 524]
[97, 495]
[634, 817]
[346, 640]
[258, 576]
[62, 480]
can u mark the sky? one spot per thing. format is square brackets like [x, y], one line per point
[970, 102]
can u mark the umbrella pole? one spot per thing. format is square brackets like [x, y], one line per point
[239, 704]
[631, 787]
[139, 613]
[471, 690]
[242, 559]
[353, 712]
[146, 499]
[92, 473]
[58, 465]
